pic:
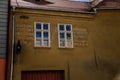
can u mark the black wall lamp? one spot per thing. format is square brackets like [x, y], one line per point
[18, 47]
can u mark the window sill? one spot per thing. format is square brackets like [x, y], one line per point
[42, 47]
[65, 47]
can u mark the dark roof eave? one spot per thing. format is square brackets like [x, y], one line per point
[84, 12]
[107, 8]
[94, 10]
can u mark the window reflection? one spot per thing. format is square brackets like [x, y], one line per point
[45, 34]
[68, 35]
[45, 26]
[62, 35]
[62, 43]
[38, 34]
[61, 27]
[46, 42]
[38, 26]
[68, 28]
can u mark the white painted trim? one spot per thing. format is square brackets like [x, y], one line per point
[42, 45]
[34, 34]
[65, 36]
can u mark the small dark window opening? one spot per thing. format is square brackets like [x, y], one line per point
[37, 0]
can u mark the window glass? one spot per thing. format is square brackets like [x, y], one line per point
[38, 34]
[38, 26]
[45, 26]
[68, 28]
[45, 34]
[68, 35]
[62, 43]
[38, 42]
[61, 27]
[46, 42]
[62, 36]
[69, 43]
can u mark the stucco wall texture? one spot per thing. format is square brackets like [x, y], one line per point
[96, 38]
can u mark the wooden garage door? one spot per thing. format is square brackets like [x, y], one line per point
[42, 75]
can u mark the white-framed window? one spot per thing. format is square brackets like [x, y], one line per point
[42, 34]
[65, 36]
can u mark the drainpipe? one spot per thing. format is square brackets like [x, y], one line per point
[13, 44]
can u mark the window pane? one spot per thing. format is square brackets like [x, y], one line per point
[46, 42]
[68, 28]
[45, 26]
[38, 42]
[38, 34]
[45, 34]
[68, 35]
[69, 43]
[38, 26]
[62, 43]
[61, 27]
[62, 36]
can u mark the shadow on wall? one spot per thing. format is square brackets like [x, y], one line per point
[39, 2]
[117, 77]
[102, 69]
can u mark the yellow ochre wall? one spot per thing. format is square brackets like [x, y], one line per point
[96, 52]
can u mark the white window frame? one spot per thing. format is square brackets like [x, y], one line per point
[66, 46]
[42, 38]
